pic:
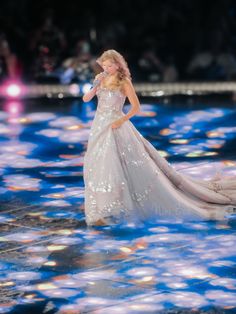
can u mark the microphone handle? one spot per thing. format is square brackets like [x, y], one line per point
[97, 82]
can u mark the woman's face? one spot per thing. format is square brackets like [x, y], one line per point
[109, 66]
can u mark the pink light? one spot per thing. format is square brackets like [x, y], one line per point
[13, 90]
[14, 108]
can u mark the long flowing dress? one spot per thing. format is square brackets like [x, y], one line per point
[126, 179]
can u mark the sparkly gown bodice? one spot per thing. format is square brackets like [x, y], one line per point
[110, 102]
[126, 179]
[109, 108]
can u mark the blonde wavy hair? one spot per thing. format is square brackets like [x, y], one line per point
[123, 70]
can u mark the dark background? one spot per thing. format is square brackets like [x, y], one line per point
[163, 41]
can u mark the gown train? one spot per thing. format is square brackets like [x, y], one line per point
[126, 179]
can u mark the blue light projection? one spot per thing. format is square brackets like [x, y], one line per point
[51, 262]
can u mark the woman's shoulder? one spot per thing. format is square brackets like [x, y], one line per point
[126, 80]
[126, 84]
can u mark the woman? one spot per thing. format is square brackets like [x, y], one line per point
[125, 177]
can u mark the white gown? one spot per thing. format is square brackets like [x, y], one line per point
[126, 179]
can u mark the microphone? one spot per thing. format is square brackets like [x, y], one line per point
[98, 81]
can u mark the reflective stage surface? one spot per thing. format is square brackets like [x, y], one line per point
[51, 262]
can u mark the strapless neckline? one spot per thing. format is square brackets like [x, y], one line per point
[111, 90]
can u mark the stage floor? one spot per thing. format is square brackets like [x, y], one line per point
[51, 262]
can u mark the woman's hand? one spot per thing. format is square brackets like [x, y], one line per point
[92, 92]
[116, 124]
[99, 78]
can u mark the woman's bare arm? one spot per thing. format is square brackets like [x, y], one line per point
[129, 91]
[92, 92]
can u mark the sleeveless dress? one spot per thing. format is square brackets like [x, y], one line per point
[127, 180]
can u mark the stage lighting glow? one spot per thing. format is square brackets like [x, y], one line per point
[74, 89]
[86, 87]
[13, 107]
[13, 90]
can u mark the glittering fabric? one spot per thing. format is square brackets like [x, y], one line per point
[126, 179]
